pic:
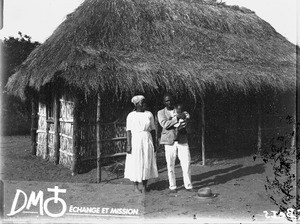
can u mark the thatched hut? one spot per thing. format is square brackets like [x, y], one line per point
[82, 77]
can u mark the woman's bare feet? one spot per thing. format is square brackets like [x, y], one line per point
[136, 190]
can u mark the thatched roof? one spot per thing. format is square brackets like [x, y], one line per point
[129, 46]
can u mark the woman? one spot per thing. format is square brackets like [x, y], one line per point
[140, 162]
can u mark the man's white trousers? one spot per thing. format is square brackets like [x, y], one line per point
[183, 152]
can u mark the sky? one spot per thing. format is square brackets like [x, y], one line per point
[39, 18]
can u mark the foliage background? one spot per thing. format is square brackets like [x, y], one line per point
[15, 114]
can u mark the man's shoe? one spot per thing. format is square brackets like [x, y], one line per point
[190, 190]
[146, 189]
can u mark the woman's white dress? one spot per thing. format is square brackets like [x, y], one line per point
[141, 163]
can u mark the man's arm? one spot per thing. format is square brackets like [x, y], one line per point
[164, 120]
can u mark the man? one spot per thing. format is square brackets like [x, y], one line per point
[175, 143]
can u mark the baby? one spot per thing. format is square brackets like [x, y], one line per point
[181, 122]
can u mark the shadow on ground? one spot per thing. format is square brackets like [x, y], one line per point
[219, 176]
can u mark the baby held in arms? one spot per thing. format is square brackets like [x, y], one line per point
[179, 109]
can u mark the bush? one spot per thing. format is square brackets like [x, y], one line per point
[281, 156]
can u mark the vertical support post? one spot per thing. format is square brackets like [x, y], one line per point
[297, 117]
[259, 125]
[48, 113]
[229, 127]
[1, 199]
[294, 137]
[295, 134]
[203, 131]
[156, 128]
[98, 139]
[47, 140]
[56, 128]
[75, 136]
[295, 154]
[48, 108]
[34, 108]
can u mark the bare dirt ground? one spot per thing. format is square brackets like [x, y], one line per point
[238, 183]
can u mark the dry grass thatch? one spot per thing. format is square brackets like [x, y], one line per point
[129, 46]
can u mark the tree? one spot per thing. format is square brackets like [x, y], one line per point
[15, 114]
[15, 51]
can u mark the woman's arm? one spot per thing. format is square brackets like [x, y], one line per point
[153, 133]
[153, 130]
[129, 146]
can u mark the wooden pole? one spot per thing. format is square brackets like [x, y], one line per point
[34, 116]
[293, 141]
[1, 200]
[229, 127]
[297, 125]
[46, 156]
[156, 128]
[203, 131]
[48, 113]
[75, 136]
[98, 139]
[259, 125]
[56, 128]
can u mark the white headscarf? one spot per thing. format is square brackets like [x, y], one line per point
[136, 99]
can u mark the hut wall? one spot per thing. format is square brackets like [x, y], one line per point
[42, 131]
[231, 126]
[112, 129]
[87, 130]
[66, 132]
[50, 139]
[278, 118]
[232, 122]
[45, 132]
[113, 137]
[194, 129]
